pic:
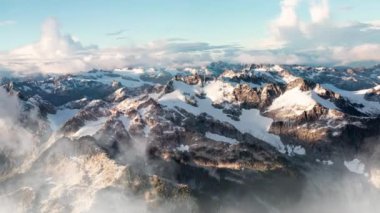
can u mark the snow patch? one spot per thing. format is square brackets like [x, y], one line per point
[355, 166]
[125, 120]
[183, 148]
[293, 101]
[90, 128]
[357, 97]
[326, 103]
[128, 78]
[295, 150]
[58, 119]
[325, 162]
[218, 91]
[220, 138]
[251, 121]
[146, 131]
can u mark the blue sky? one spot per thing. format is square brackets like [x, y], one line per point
[218, 21]
[143, 20]
[88, 34]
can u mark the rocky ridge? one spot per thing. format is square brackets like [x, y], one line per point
[191, 139]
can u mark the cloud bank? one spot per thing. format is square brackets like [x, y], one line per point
[321, 40]
[58, 53]
[291, 40]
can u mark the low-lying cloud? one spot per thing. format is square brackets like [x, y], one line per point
[58, 53]
[15, 140]
[291, 40]
[321, 40]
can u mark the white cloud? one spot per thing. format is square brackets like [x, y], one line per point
[321, 40]
[268, 57]
[54, 52]
[283, 26]
[15, 140]
[319, 11]
[359, 53]
[291, 40]
[57, 53]
[288, 16]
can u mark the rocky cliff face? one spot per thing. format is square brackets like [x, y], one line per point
[239, 137]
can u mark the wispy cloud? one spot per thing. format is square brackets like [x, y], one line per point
[7, 22]
[116, 33]
[346, 8]
[121, 37]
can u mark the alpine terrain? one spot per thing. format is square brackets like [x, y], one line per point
[222, 138]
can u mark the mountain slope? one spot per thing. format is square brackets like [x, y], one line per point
[235, 137]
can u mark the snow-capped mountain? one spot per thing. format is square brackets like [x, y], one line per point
[189, 140]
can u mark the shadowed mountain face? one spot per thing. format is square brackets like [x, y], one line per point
[229, 138]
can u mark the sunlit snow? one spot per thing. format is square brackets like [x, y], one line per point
[251, 121]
